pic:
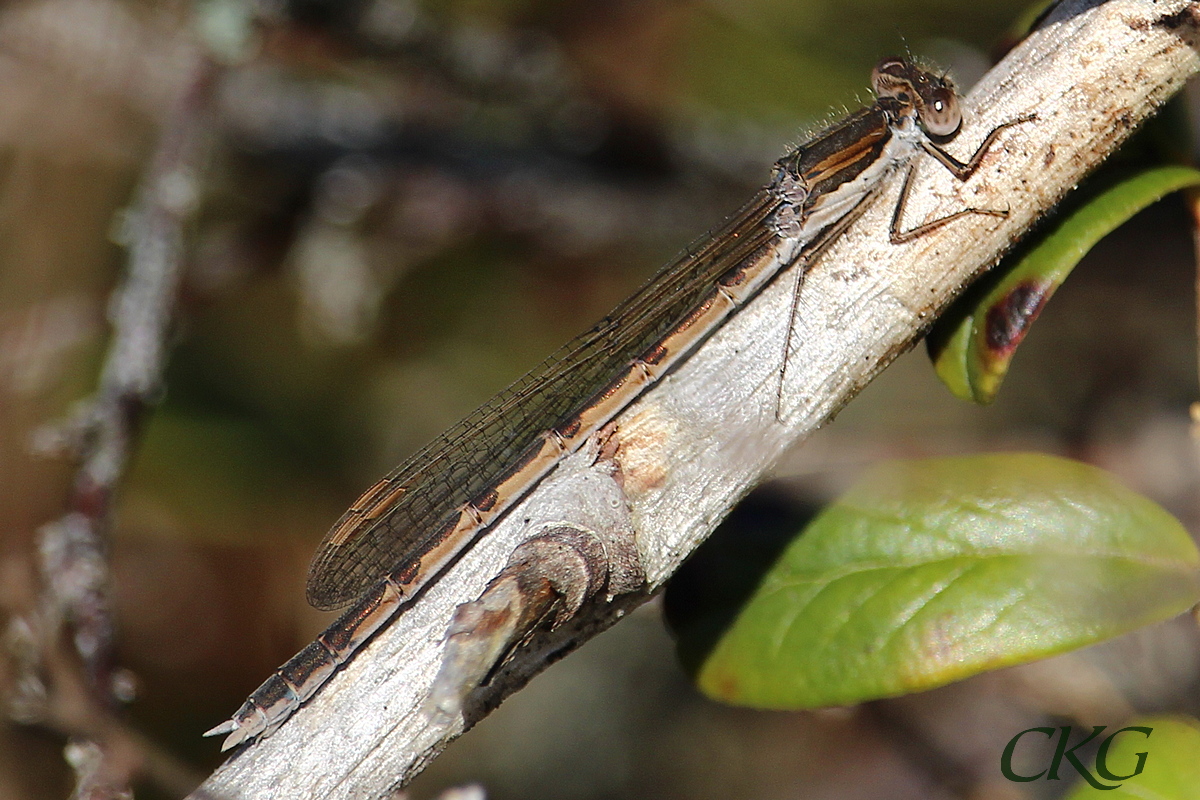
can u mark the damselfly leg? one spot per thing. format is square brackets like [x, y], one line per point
[959, 170]
[925, 110]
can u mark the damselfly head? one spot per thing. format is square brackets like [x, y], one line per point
[931, 97]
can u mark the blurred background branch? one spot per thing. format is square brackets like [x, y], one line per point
[75, 604]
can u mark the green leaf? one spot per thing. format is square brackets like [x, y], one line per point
[973, 343]
[929, 571]
[1171, 768]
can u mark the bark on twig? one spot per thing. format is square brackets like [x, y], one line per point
[699, 440]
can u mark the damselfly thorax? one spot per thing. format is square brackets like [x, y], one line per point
[404, 531]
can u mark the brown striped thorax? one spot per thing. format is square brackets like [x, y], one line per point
[836, 167]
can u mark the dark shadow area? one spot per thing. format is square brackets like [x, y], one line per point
[704, 597]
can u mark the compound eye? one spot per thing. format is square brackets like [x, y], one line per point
[940, 114]
[889, 77]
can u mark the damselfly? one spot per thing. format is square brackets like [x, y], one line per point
[404, 531]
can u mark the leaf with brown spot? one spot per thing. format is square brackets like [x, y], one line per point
[973, 343]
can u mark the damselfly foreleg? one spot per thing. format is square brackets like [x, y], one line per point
[964, 171]
[960, 170]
